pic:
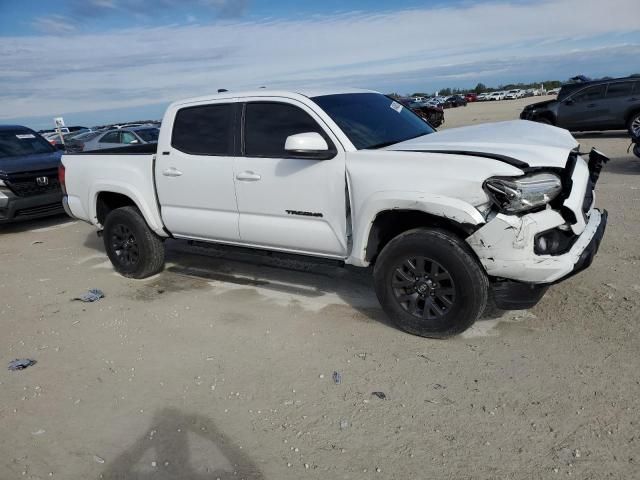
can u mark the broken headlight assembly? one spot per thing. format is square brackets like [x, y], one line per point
[520, 194]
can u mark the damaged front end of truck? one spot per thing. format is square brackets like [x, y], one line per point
[542, 228]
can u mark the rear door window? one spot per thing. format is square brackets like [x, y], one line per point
[205, 130]
[620, 89]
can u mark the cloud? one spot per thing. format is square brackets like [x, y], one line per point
[425, 48]
[228, 8]
[82, 9]
[54, 25]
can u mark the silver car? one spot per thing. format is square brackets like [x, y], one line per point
[123, 137]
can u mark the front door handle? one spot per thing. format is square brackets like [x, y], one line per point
[172, 172]
[248, 176]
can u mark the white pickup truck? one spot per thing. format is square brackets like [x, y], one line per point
[448, 220]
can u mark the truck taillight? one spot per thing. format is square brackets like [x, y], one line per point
[61, 179]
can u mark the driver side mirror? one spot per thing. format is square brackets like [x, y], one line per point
[306, 143]
[310, 144]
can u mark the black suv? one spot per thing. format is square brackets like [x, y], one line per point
[595, 105]
[29, 186]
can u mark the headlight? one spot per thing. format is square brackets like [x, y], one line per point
[515, 195]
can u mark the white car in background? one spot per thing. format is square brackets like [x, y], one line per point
[514, 94]
[496, 96]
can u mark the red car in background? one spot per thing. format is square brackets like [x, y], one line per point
[471, 97]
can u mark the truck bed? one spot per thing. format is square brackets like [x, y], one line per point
[126, 171]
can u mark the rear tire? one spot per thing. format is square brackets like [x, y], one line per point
[430, 284]
[133, 248]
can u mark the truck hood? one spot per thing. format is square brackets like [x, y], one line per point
[29, 163]
[535, 144]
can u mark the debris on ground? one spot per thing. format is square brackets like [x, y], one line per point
[344, 424]
[37, 242]
[93, 295]
[98, 459]
[337, 378]
[380, 395]
[21, 364]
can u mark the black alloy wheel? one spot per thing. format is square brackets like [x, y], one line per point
[423, 288]
[125, 245]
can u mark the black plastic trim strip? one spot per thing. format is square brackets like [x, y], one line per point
[494, 156]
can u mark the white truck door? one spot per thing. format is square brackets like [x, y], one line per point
[194, 171]
[289, 202]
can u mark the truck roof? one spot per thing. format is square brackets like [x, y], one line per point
[265, 92]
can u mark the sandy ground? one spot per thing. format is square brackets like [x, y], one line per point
[221, 367]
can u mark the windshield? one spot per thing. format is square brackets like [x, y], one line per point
[14, 143]
[149, 135]
[371, 120]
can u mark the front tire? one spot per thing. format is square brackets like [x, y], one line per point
[133, 248]
[430, 284]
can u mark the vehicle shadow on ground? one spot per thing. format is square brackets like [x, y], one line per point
[304, 280]
[179, 446]
[36, 224]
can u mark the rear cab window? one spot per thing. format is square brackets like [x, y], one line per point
[205, 130]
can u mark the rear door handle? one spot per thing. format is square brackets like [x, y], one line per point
[248, 176]
[172, 172]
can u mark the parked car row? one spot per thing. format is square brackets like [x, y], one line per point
[451, 101]
[509, 94]
[78, 139]
[113, 138]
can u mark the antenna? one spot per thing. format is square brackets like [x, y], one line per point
[222, 90]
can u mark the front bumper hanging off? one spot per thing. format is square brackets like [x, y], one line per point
[514, 295]
[506, 244]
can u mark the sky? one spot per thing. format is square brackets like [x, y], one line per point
[102, 61]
